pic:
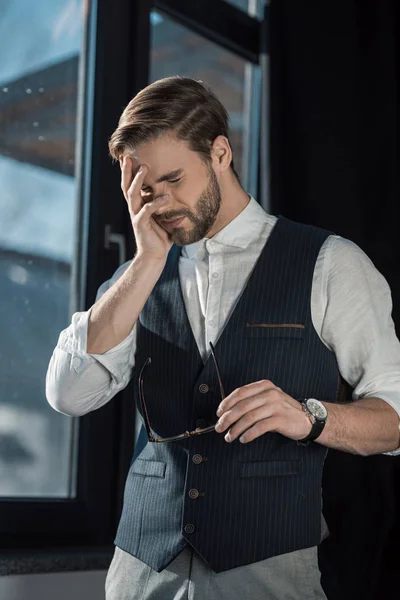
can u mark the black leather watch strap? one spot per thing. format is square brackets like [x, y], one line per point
[316, 431]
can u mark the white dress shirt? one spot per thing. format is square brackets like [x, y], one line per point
[351, 309]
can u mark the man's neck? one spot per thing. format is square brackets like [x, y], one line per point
[232, 205]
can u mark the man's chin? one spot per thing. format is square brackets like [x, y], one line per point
[184, 236]
[178, 240]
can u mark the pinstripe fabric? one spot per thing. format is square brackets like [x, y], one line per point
[256, 500]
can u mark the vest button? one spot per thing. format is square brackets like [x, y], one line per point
[201, 423]
[197, 459]
[193, 494]
[189, 528]
[203, 388]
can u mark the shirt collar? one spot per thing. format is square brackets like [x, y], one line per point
[239, 232]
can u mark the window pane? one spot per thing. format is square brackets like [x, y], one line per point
[40, 52]
[176, 50]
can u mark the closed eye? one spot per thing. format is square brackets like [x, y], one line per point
[148, 189]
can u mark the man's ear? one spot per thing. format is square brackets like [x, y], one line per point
[221, 154]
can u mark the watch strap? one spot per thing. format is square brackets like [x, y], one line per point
[316, 429]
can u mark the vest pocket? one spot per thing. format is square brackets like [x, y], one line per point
[149, 468]
[274, 330]
[270, 468]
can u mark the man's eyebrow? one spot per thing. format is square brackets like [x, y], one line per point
[171, 175]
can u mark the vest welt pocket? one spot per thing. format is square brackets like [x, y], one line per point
[149, 468]
[270, 468]
[274, 330]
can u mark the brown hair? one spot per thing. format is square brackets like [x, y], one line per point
[180, 105]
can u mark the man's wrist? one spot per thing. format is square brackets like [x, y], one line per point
[316, 414]
[309, 420]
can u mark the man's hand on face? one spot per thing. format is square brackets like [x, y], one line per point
[259, 407]
[152, 241]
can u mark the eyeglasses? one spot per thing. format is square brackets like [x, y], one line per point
[187, 434]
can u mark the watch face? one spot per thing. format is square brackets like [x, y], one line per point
[316, 408]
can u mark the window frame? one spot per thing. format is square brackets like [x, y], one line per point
[89, 520]
[220, 22]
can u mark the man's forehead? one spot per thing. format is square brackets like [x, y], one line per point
[161, 146]
[163, 154]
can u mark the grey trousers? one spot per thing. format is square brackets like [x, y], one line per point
[292, 576]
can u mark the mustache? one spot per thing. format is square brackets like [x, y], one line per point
[170, 216]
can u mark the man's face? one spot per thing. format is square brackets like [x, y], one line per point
[191, 187]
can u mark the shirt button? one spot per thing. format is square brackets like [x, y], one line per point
[203, 388]
[201, 423]
[215, 275]
[197, 459]
[189, 528]
[211, 322]
[193, 494]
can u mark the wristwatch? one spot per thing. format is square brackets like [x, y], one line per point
[318, 415]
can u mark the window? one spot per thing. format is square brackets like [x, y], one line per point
[59, 475]
[178, 50]
[38, 96]
[68, 68]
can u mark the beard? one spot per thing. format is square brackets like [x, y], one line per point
[203, 217]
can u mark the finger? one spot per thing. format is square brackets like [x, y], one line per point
[247, 421]
[134, 192]
[259, 429]
[155, 207]
[126, 175]
[244, 392]
[248, 405]
[132, 184]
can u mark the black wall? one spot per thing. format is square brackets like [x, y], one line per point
[335, 164]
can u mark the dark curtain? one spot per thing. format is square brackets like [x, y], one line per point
[335, 164]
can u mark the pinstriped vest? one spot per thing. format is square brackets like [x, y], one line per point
[254, 500]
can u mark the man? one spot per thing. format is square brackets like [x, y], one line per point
[231, 510]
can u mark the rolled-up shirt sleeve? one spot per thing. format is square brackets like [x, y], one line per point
[358, 325]
[78, 382]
